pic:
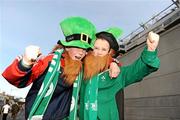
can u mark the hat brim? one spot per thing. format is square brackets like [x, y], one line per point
[75, 43]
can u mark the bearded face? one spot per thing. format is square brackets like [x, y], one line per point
[72, 69]
[95, 64]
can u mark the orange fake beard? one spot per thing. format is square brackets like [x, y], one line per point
[95, 64]
[72, 69]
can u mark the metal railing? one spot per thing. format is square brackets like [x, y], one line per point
[157, 23]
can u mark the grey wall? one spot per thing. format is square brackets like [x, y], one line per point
[157, 97]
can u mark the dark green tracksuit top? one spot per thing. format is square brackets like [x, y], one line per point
[147, 63]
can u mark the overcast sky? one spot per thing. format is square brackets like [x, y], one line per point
[27, 22]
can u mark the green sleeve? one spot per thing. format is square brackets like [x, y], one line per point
[147, 63]
[143, 66]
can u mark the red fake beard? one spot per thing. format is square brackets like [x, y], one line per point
[95, 64]
[72, 69]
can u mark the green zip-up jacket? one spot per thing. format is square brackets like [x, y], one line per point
[147, 63]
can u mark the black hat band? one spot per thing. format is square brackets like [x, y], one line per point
[82, 37]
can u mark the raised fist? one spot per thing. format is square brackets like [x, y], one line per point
[32, 52]
[152, 41]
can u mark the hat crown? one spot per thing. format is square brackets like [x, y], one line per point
[116, 32]
[78, 25]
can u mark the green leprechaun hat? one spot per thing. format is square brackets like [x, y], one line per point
[78, 32]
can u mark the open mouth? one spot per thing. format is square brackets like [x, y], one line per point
[78, 57]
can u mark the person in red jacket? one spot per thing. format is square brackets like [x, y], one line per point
[53, 76]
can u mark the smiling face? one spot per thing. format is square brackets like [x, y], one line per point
[101, 47]
[76, 53]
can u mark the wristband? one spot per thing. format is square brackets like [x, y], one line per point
[25, 64]
[115, 60]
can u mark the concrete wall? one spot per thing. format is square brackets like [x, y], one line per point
[157, 97]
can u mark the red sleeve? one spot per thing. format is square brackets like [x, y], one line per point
[15, 76]
[12, 73]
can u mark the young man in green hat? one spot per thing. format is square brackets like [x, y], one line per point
[56, 77]
[97, 96]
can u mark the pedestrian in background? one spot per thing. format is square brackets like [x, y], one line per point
[5, 110]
